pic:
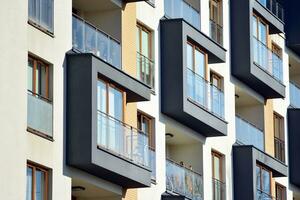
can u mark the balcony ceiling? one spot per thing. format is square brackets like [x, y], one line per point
[94, 5]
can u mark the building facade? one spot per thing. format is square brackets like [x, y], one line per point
[150, 100]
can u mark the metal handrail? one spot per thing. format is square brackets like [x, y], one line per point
[97, 29]
[123, 123]
[248, 122]
[182, 166]
[40, 96]
[266, 194]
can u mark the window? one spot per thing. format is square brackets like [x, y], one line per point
[37, 183]
[196, 60]
[145, 65]
[40, 12]
[38, 74]
[217, 172]
[216, 80]
[216, 20]
[276, 50]
[260, 30]
[280, 192]
[263, 182]
[279, 137]
[146, 124]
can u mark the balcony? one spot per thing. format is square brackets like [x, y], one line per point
[216, 32]
[179, 9]
[274, 7]
[248, 134]
[205, 94]
[219, 189]
[183, 181]
[294, 95]
[198, 105]
[245, 160]
[97, 143]
[267, 60]
[86, 38]
[146, 72]
[294, 145]
[261, 195]
[39, 115]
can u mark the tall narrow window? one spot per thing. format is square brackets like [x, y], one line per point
[196, 72]
[280, 192]
[279, 139]
[110, 117]
[146, 124]
[217, 171]
[40, 13]
[263, 182]
[39, 101]
[145, 65]
[216, 20]
[37, 183]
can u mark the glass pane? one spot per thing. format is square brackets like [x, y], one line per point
[258, 177]
[46, 14]
[138, 39]
[43, 80]
[90, 39]
[189, 56]
[29, 184]
[37, 81]
[266, 181]
[78, 34]
[262, 28]
[30, 75]
[40, 185]
[145, 44]
[102, 46]
[101, 96]
[217, 166]
[145, 125]
[31, 9]
[199, 63]
[115, 103]
[254, 24]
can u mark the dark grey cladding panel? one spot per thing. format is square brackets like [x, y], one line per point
[245, 159]
[275, 24]
[294, 145]
[135, 89]
[242, 66]
[174, 100]
[81, 106]
[292, 28]
[172, 197]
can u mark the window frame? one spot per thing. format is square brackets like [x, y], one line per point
[261, 20]
[196, 47]
[220, 11]
[38, 25]
[283, 191]
[141, 28]
[218, 78]
[111, 85]
[35, 62]
[261, 168]
[280, 137]
[151, 134]
[34, 167]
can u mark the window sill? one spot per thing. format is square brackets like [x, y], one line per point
[40, 134]
[39, 27]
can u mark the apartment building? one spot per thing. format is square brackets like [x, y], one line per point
[150, 100]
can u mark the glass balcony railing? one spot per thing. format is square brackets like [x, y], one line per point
[145, 70]
[39, 114]
[248, 134]
[183, 181]
[267, 60]
[205, 94]
[152, 163]
[122, 140]
[181, 9]
[261, 195]
[87, 38]
[219, 189]
[275, 7]
[294, 95]
[216, 32]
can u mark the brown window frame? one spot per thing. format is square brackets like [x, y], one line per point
[283, 191]
[220, 11]
[196, 47]
[141, 28]
[276, 49]
[221, 158]
[35, 62]
[261, 178]
[151, 134]
[34, 167]
[279, 138]
[219, 79]
[110, 85]
[259, 19]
